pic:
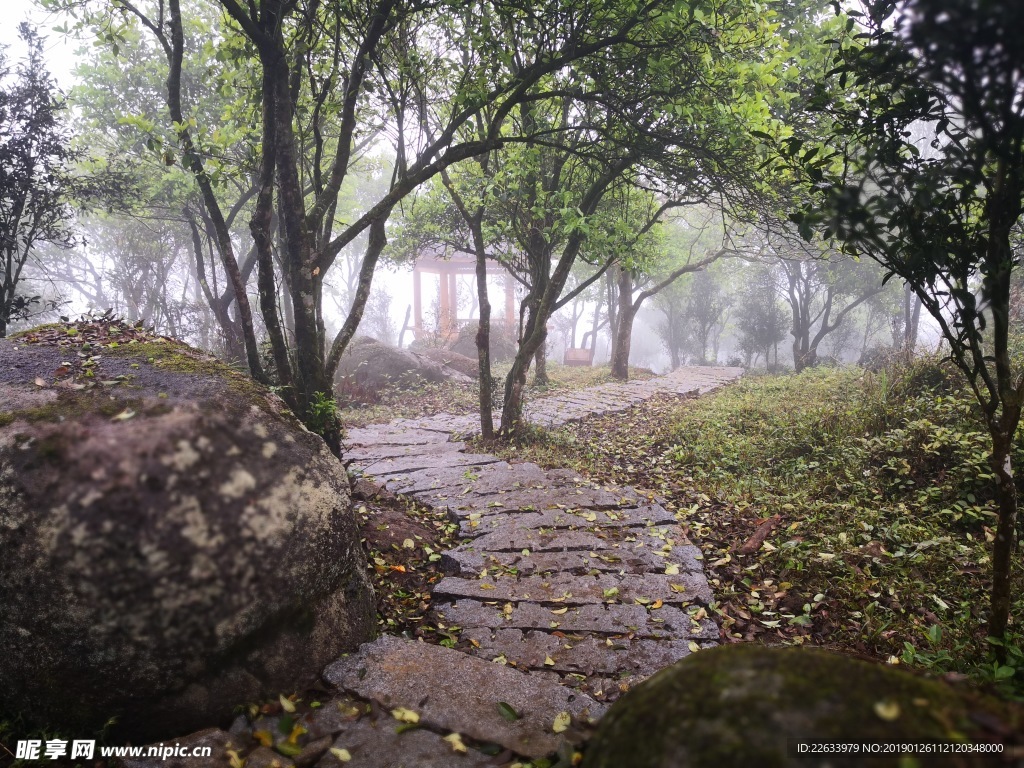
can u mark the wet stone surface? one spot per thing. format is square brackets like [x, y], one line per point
[453, 691]
[566, 594]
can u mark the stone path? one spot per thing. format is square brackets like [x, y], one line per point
[566, 593]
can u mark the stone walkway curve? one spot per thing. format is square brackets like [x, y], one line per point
[591, 587]
[566, 593]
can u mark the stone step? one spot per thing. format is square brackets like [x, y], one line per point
[455, 692]
[405, 464]
[569, 589]
[572, 519]
[617, 619]
[358, 455]
[470, 563]
[588, 655]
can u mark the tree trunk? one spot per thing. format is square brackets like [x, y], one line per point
[1006, 532]
[540, 365]
[483, 340]
[624, 329]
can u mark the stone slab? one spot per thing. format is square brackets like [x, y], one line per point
[387, 435]
[587, 655]
[468, 562]
[618, 619]
[578, 519]
[579, 590]
[458, 479]
[547, 497]
[452, 691]
[369, 453]
[379, 745]
[414, 463]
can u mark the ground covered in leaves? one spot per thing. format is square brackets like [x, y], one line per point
[838, 508]
[403, 541]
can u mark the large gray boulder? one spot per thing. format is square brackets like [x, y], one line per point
[369, 366]
[503, 345]
[747, 705]
[174, 542]
[469, 366]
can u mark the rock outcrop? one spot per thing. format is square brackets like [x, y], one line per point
[174, 542]
[369, 366]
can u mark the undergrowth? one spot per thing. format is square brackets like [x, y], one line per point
[878, 490]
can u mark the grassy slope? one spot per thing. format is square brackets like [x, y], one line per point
[880, 487]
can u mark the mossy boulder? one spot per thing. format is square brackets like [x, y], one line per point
[739, 705]
[174, 542]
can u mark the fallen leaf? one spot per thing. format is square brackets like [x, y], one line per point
[549, 661]
[506, 711]
[456, 741]
[343, 755]
[672, 569]
[559, 611]
[887, 710]
[561, 724]
[409, 544]
[40, 382]
[264, 737]
[286, 705]
[405, 715]
[124, 415]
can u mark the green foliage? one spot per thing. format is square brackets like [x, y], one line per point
[323, 415]
[883, 491]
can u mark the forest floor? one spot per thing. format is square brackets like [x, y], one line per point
[837, 508]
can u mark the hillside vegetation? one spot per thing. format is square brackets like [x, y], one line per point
[874, 488]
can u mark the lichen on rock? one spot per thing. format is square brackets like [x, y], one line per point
[160, 564]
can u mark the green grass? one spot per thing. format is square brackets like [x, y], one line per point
[881, 486]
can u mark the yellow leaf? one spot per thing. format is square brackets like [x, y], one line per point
[342, 754]
[486, 586]
[549, 661]
[286, 705]
[656, 605]
[405, 715]
[672, 570]
[409, 544]
[264, 738]
[590, 517]
[678, 587]
[561, 724]
[559, 611]
[234, 759]
[887, 710]
[456, 741]
[693, 647]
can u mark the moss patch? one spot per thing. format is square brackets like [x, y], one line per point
[737, 705]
